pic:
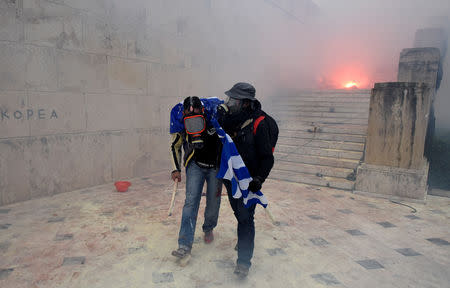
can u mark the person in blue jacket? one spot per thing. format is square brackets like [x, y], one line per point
[190, 128]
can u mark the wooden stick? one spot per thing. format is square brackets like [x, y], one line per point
[269, 214]
[172, 202]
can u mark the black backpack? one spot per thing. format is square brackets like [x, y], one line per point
[273, 128]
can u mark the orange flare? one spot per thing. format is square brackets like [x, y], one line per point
[351, 84]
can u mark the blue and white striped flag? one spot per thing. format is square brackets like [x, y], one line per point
[233, 168]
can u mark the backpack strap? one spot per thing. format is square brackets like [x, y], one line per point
[255, 126]
[256, 123]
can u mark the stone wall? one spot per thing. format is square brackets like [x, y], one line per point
[86, 86]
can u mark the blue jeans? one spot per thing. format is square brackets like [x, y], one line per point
[245, 228]
[195, 179]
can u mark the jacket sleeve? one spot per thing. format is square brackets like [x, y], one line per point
[175, 147]
[263, 150]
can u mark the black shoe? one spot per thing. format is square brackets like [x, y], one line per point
[241, 270]
[181, 252]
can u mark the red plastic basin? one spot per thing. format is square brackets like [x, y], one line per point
[122, 186]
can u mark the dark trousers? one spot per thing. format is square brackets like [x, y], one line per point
[245, 229]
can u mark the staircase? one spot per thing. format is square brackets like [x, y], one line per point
[322, 136]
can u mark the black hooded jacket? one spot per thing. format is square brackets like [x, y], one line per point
[253, 146]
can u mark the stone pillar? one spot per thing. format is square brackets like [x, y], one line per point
[394, 157]
[424, 65]
[419, 65]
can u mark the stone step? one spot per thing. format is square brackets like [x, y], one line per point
[317, 160]
[321, 103]
[296, 177]
[303, 114]
[332, 92]
[314, 170]
[335, 94]
[342, 109]
[324, 128]
[332, 95]
[321, 119]
[307, 124]
[322, 136]
[302, 150]
[336, 145]
[284, 101]
[338, 110]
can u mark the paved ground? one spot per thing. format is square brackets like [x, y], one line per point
[101, 238]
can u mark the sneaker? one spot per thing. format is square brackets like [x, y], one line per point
[181, 252]
[241, 270]
[209, 237]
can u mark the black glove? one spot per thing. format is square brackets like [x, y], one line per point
[222, 111]
[255, 185]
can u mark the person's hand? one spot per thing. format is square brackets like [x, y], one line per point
[176, 176]
[222, 111]
[255, 185]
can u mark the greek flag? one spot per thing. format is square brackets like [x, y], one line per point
[232, 168]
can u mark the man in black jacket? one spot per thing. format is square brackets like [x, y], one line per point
[240, 117]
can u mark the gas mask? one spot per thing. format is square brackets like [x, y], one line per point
[234, 105]
[194, 126]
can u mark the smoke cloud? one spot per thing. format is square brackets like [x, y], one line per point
[361, 40]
